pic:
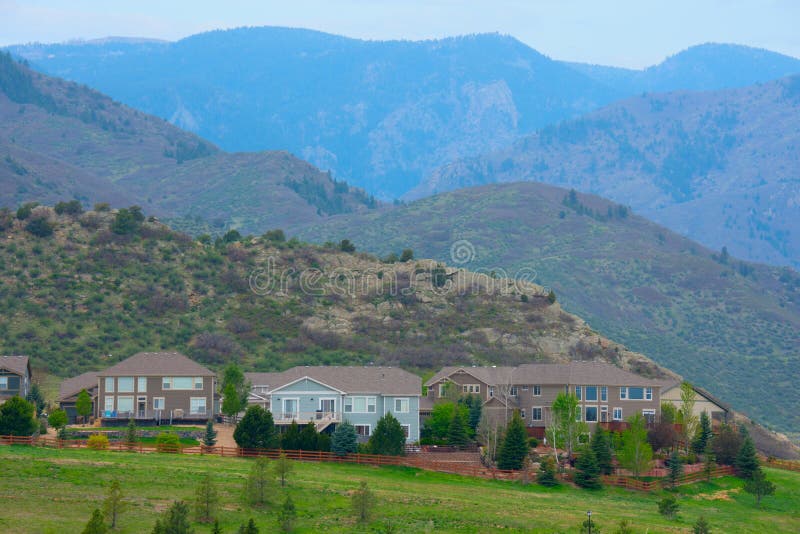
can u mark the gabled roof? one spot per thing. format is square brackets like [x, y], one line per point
[157, 364]
[599, 373]
[306, 377]
[352, 379]
[73, 386]
[667, 385]
[16, 364]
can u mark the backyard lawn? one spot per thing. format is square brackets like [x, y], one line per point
[46, 490]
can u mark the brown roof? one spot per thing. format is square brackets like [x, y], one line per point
[73, 386]
[551, 373]
[15, 364]
[384, 380]
[157, 364]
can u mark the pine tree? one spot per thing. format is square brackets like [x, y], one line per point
[668, 506]
[248, 528]
[210, 437]
[131, 436]
[345, 440]
[703, 434]
[759, 486]
[746, 460]
[256, 430]
[475, 412]
[587, 471]
[675, 468]
[258, 482]
[457, 434]
[114, 504]
[290, 439]
[216, 529]
[547, 472]
[708, 461]
[97, 524]
[388, 437]
[175, 520]
[283, 466]
[206, 499]
[601, 446]
[287, 515]
[515, 445]
[308, 438]
[363, 502]
[701, 526]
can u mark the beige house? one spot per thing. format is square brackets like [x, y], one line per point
[704, 402]
[608, 395]
[162, 387]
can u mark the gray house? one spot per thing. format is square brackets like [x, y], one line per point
[71, 388]
[15, 377]
[328, 395]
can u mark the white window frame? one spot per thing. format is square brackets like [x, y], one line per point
[533, 413]
[284, 412]
[648, 394]
[158, 401]
[4, 382]
[408, 432]
[367, 404]
[109, 382]
[198, 383]
[628, 393]
[537, 390]
[402, 400]
[597, 413]
[205, 405]
[125, 398]
[362, 425]
[603, 410]
[491, 392]
[522, 413]
[442, 387]
[108, 401]
[321, 399]
[122, 387]
[524, 388]
[623, 393]
[141, 381]
[603, 393]
[514, 391]
[586, 393]
[579, 393]
[614, 416]
[579, 414]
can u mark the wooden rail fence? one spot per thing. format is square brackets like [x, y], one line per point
[788, 465]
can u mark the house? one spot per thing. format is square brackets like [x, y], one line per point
[718, 411]
[157, 387]
[71, 388]
[607, 394]
[15, 377]
[328, 395]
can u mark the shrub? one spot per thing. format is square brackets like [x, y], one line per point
[547, 472]
[17, 417]
[24, 211]
[73, 207]
[168, 442]
[701, 526]
[98, 442]
[388, 437]
[533, 442]
[40, 227]
[668, 506]
[102, 206]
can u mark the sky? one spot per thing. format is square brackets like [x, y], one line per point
[625, 33]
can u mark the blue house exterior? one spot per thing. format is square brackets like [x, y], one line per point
[327, 396]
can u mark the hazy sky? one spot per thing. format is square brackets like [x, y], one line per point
[631, 33]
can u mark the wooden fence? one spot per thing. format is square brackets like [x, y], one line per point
[651, 485]
[788, 465]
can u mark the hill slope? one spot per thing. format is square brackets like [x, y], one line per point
[718, 167]
[86, 297]
[59, 140]
[725, 325]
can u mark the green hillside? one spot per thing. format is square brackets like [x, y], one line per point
[105, 285]
[726, 325]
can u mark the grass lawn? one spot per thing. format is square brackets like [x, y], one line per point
[43, 490]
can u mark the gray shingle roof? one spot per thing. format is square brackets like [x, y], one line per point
[15, 364]
[73, 386]
[385, 380]
[157, 364]
[552, 373]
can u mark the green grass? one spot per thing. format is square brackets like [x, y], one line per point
[44, 490]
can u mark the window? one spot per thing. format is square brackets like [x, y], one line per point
[579, 414]
[401, 405]
[477, 388]
[182, 382]
[648, 393]
[603, 393]
[109, 404]
[197, 405]
[524, 388]
[591, 414]
[141, 387]
[649, 415]
[359, 404]
[578, 392]
[471, 388]
[442, 389]
[617, 414]
[513, 391]
[591, 393]
[536, 413]
[363, 430]
[125, 384]
[125, 404]
[623, 393]
[158, 403]
[406, 430]
[109, 384]
[3, 382]
[537, 391]
[522, 413]
[491, 391]
[635, 393]
[604, 414]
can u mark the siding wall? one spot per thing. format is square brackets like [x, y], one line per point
[173, 399]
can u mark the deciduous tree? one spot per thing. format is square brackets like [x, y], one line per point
[17, 417]
[283, 467]
[258, 482]
[363, 502]
[567, 426]
[636, 454]
[96, 524]
[83, 405]
[57, 419]
[115, 504]
[206, 499]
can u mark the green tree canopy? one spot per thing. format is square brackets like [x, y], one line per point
[17, 417]
[747, 460]
[388, 437]
[601, 446]
[57, 419]
[290, 438]
[514, 448]
[345, 439]
[703, 434]
[97, 524]
[636, 454]
[457, 431]
[256, 430]
[566, 426]
[587, 470]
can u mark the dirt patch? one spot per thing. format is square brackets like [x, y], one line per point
[722, 495]
[73, 461]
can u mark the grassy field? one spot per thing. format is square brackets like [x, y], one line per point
[45, 491]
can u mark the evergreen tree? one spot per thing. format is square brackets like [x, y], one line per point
[248, 528]
[709, 462]
[475, 412]
[363, 502]
[674, 468]
[668, 506]
[216, 529]
[457, 433]
[83, 405]
[547, 472]
[131, 437]
[17, 417]
[587, 470]
[36, 398]
[210, 437]
[287, 515]
[601, 446]
[701, 526]
[283, 466]
[256, 430]
[746, 460]
[759, 486]
[515, 447]
[206, 499]
[308, 438]
[258, 482]
[175, 520]
[96, 525]
[345, 439]
[388, 437]
[290, 438]
[703, 434]
[114, 504]
[726, 445]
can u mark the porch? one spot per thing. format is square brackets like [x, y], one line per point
[321, 419]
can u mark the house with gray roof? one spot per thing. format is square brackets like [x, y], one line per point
[156, 387]
[15, 377]
[328, 395]
[70, 389]
[718, 411]
[607, 394]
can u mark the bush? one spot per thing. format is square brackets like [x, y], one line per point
[40, 227]
[25, 210]
[533, 443]
[102, 206]
[388, 437]
[17, 417]
[98, 442]
[668, 506]
[547, 472]
[168, 442]
[256, 430]
[73, 207]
